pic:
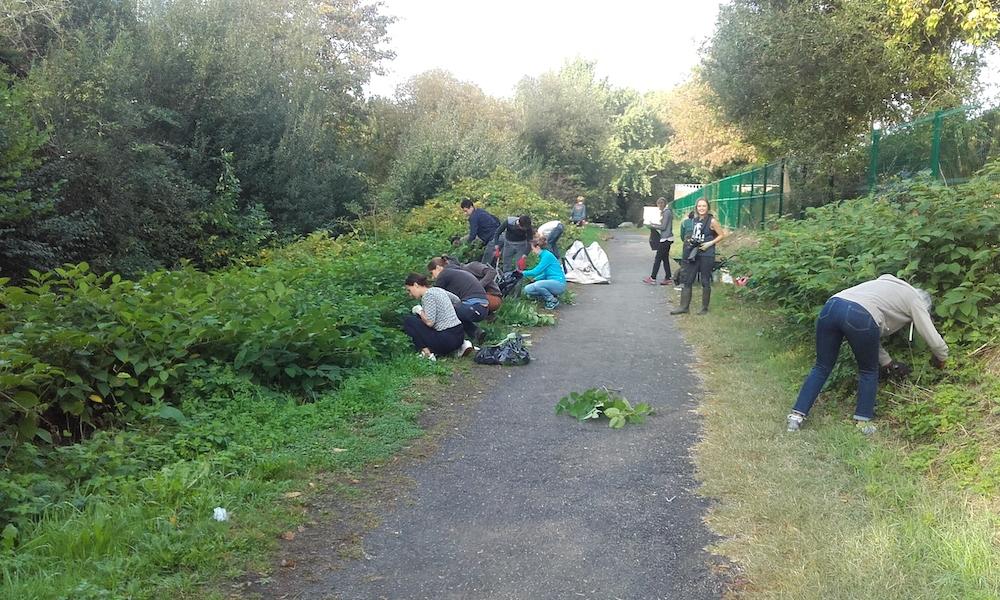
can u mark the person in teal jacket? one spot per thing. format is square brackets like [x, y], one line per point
[550, 281]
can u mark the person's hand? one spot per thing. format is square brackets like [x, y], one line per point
[704, 246]
[936, 362]
[417, 309]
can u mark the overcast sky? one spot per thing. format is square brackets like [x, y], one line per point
[641, 44]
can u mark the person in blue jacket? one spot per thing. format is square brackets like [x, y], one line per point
[550, 281]
[482, 225]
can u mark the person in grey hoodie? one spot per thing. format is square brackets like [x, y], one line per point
[665, 238]
[863, 314]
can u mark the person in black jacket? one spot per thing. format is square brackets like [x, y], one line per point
[482, 225]
[471, 303]
[512, 238]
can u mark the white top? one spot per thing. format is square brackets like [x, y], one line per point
[545, 228]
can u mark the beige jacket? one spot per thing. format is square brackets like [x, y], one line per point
[894, 304]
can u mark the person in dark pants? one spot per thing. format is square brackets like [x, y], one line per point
[699, 253]
[664, 239]
[471, 303]
[863, 314]
[482, 225]
[433, 327]
[513, 237]
[578, 215]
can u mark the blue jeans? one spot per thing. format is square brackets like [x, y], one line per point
[470, 313]
[546, 289]
[552, 240]
[841, 319]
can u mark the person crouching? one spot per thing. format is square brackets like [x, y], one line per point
[433, 327]
[550, 281]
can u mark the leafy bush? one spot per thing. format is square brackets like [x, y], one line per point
[942, 238]
[80, 351]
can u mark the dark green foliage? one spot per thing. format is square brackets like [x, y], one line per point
[194, 129]
[944, 239]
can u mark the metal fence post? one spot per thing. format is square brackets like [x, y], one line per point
[936, 144]
[873, 159]
[763, 199]
[781, 188]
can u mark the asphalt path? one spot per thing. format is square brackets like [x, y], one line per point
[523, 504]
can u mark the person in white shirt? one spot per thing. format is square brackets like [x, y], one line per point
[863, 314]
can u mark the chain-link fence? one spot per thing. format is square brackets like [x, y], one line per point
[742, 200]
[950, 144]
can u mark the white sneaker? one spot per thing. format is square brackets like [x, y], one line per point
[429, 357]
[464, 350]
[795, 421]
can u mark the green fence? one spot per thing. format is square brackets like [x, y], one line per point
[742, 200]
[951, 144]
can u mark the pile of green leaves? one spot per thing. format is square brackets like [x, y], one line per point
[944, 239]
[595, 403]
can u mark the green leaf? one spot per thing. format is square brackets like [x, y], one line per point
[26, 400]
[9, 536]
[121, 354]
[172, 414]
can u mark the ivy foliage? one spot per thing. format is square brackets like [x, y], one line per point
[944, 239]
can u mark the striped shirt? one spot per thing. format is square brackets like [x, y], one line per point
[438, 309]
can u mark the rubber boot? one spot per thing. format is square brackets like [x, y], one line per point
[685, 301]
[706, 297]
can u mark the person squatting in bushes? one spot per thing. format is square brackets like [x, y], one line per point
[482, 225]
[433, 327]
[864, 314]
[468, 295]
[699, 256]
[550, 281]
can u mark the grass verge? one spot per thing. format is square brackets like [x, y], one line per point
[825, 513]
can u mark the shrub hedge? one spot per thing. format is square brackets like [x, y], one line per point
[944, 239]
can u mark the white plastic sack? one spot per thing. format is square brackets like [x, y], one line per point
[586, 265]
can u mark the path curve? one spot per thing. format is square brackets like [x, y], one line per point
[522, 504]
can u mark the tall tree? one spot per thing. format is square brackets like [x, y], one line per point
[807, 78]
[149, 106]
[566, 120]
[448, 129]
[701, 137]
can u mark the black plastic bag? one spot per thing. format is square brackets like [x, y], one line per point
[508, 282]
[511, 351]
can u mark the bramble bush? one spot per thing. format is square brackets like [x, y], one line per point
[944, 239]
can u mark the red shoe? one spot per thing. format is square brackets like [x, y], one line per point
[649, 280]
[667, 281]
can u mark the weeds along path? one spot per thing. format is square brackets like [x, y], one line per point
[519, 503]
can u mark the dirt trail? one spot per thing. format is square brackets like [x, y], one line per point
[518, 503]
